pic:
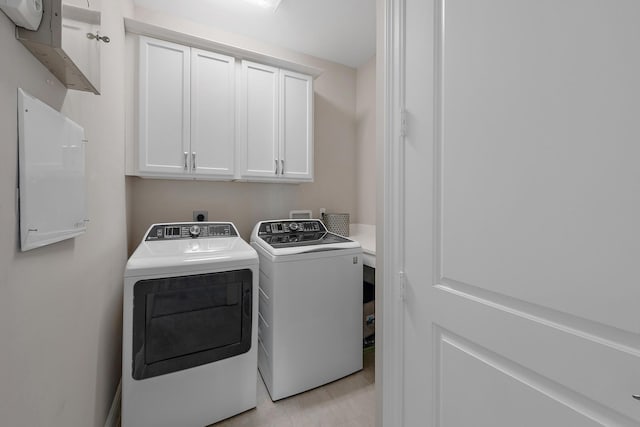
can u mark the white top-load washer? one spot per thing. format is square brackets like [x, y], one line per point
[190, 310]
[310, 314]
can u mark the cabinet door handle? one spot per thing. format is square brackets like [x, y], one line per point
[276, 171]
[193, 160]
[186, 159]
[282, 167]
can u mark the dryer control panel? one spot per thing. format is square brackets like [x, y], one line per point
[191, 230]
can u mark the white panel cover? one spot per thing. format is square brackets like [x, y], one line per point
[52, 174]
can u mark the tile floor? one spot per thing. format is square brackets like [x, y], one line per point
[349, 402]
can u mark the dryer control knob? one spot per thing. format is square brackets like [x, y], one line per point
[293, 226]
[194, 230]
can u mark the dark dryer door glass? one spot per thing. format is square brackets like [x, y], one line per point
[187, 321]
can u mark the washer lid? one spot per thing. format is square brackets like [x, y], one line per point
[286, 237]
[303, 239]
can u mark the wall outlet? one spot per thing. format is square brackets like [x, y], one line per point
[201, 216]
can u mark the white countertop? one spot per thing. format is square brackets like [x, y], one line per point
[365, 234]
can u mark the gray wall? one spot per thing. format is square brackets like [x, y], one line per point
[366, 142]
[335, 152]
[60, 305]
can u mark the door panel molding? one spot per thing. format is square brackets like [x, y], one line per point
[588, 329]
[551, 179]
[570, 359]
[438, 138]
[516, 375]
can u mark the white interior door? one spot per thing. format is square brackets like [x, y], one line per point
[520, 221]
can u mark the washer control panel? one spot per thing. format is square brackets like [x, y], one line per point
[191, 230]
[289, 233]
[285, 227]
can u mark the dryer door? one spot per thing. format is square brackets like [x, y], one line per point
[187, 321]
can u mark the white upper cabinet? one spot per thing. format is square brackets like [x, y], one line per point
[276, 127]
[164, 109]
[212, 114]
[259, 121]
[202, 115]
[186, 114]
[296, 126]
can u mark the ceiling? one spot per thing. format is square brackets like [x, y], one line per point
[342, 31]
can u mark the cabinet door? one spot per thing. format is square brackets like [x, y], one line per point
[164, 94]
[76, 24]
[212, 114]
[259, 121]
[296, 126]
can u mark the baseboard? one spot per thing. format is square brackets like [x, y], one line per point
[113, 419]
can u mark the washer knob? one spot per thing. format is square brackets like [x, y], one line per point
[194, 230]
[293, 226]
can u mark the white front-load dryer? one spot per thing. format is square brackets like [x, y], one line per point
[190, 312]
